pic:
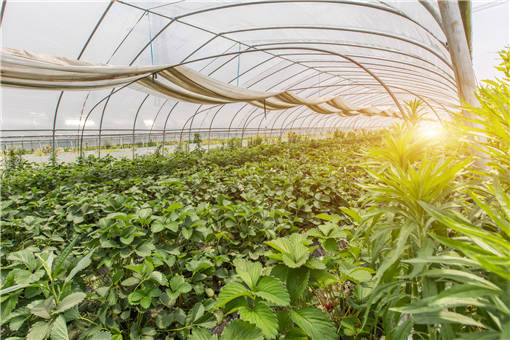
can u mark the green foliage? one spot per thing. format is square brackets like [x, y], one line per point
[440, 242]
[489, 123]
[139, 248]
[414, 112]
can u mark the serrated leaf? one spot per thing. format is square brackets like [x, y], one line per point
[42, 308]
[295, 334]
[144, 213]
[272, 290]
[70, 301]
[159, 278]
[294, 252]
[130, 281]
[234, 305]
[179, 285]
[315, 323]
[202, 334]
[297, 258]
[145, 249]
[248, 271]
[38, 331]
[297, 281]
[101, 335]
[230, 292]
[237, 330]
[262, 317]
[315, 263]
[59, 329]
[82, 264]
[22, 276]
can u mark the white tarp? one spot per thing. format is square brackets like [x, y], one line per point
[24, 69]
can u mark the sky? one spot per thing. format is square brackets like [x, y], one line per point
[491, 31]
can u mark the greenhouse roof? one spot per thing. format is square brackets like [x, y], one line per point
[371, 56]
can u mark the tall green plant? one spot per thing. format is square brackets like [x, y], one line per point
[406, 171]
[474, 265]
[489, 123]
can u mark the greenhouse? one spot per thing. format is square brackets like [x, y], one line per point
[273, 169]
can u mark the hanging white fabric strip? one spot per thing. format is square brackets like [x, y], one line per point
[37, 71]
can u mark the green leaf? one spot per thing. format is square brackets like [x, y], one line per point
[248, 271]
[261, 316]
[394, 255]
[101, 335]
[324, 217]
[145, 249]
[160, 278]
[294, 252]
[315, 263]
[138, 268]
[186, 233]
[47, 264]
[359, 275]
[65, 253]
[38, 331]
[230, 292]
[297, 281]
[70, 301]
[22, 276]
[146, 302]
[462, 276]
[323, 277]
[42, 308]
[237, 330]
[445, 259]
[202, 334]
[82, 264]
[295, 334]
[446, 317]
[144, 213]
[458, 295]
[130, 281]
[234, 305]
[179, 284]
[403, 330]
[12, 289]
[59, 329]
[272, 290]
[315, 323]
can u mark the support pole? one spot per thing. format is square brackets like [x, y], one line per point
[465, 12]
[459, 51]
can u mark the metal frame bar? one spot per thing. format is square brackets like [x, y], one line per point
[387, 87]
[110, 4]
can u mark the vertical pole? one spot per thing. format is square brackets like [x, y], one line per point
[465, 12]
[459, 51]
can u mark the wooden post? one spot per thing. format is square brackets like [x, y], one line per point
[459, 51]
[465, 13]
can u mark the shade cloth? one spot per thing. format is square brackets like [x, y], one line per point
[30, 70]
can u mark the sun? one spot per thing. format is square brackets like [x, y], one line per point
[430, 131]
